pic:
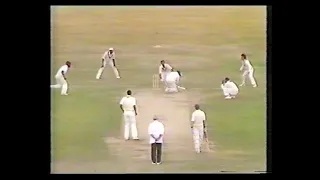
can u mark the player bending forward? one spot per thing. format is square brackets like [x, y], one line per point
[229, 88]
[248, 70]
[61, 78]
[108, 58]
[164, 70]
[129, 109]
[198, 127]
[172, 81]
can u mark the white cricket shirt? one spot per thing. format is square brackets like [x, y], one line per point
[173, 76]
[63, 68]
[127, 103]
[198, 116]
[167, 68]
[156, 128]
[231, 85]
[247, 65]
[107, 56]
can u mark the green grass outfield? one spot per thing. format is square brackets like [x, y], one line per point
[205, 43]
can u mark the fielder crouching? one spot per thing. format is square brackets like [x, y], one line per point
[61, 78]
[172, 81]
[229, 88]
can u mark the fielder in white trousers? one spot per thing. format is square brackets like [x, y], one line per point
[108, 58]
[248, 71]
[61, 83]
[111, 65]
[229, 89]
[248, 75]
[129, 109]
[130, 125]
[60, 77]
[197, 125]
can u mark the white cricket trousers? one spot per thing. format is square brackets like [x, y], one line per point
[61, 83]
[230, 91]
[248, 74]
[164, 76]
[130, 124]
[197, 137]
[110, 63]
[171, 86]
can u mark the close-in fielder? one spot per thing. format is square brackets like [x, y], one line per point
[198, 127]
[164, 70]
[61, 79]
[172, 81]
[129, 109]
[108, 58]
[229, 89]
[248, 71]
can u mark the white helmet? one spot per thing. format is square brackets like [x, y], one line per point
[111, 49]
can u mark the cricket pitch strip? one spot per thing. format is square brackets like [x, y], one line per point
[173, 112]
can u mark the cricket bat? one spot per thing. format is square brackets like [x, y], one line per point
[205, 135]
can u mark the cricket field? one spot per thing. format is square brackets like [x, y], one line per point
[205, 43]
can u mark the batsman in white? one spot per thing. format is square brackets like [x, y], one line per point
[129, 109]
[61, 78]
[172, 81]
[198, 127]
[248, 70]
[164, 70]
[229, 89]
[108, 58]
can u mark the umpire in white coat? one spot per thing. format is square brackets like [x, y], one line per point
[156, 131]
